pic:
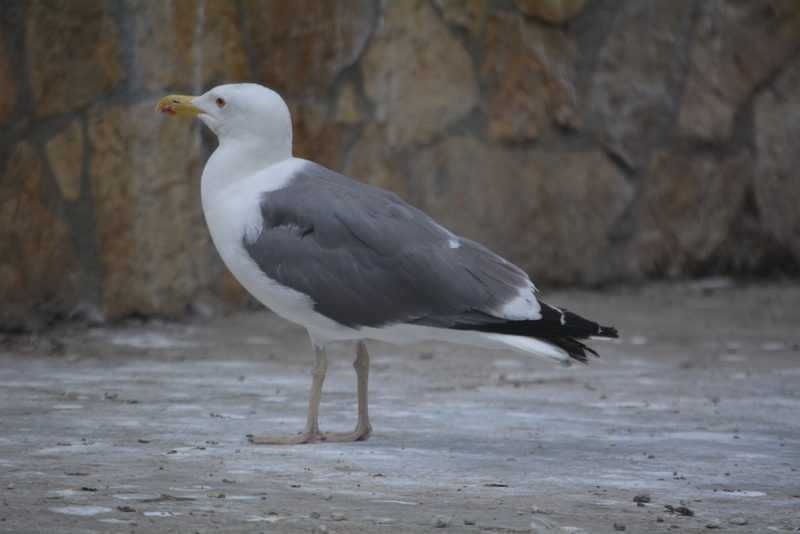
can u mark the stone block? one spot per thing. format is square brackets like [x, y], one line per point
[372, 161]
[777, 184]
[735, 47]
[8, 85]
[466, 14]
[550, 11]
[65, 153]
[347, 111]
[189, 45]
[530, 79]
[315, 138]
[687, 207]
[73, 54]
[153, 245]
[549, 212]
[417, 73]
[302, 45]
[634, 91]
[40, 269]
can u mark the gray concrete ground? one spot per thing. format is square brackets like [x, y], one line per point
[140, 427]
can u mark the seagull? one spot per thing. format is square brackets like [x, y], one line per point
[349, 261]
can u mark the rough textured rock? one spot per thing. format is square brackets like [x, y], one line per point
[153, 243]
[65, 153]
[587, 141]
[315, 138]
[371, 161]
[185, 44]
[467, 15]
[635, 88]
[529, 73]
[686, 210]
[570, 214]
[735, 46]
[777, 129]
[231, 291]
[8, 86]
[417, 94]
[305, 44]
[548, 212]
[39, 266]
[551, 11]
[347, 111]
[74, 54]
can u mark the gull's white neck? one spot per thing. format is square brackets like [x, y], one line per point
[236, 175]
[233, 162]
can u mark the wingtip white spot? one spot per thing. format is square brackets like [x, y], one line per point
[522, 307]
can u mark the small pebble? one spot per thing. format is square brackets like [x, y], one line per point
[322, 529]
[536, 510]
[738, 521]
[643, 497]
[338, 516]
[659, 518]
[315, 515]
[470, 521]
[714, 523]
[11, 486]
[619, 528]
[441, 521]
[327, 496]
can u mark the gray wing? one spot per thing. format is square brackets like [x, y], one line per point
[368, 259]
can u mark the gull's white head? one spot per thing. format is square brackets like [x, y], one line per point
[243, 112]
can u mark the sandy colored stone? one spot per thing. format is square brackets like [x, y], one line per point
[634, 90]
[347, 111]
[39, 265]
[65, 154]
[301, 46]
[315, 138]
[530, 79]
[417, 73]
[188, 44]
[550, 11]
[466, 14]
[8, 86]
[232, 292]
[687, 206]
[154, 248]
[73, 54]
[777, 187]
[549, 212]
[735, 47]
[371, 161]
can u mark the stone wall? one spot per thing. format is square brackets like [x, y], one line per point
[589, 141]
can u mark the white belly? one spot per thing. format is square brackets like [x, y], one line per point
[234, 218]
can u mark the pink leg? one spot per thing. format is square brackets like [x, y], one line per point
[363, 428]
[311, 432]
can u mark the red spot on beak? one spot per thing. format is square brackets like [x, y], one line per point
[169, 110]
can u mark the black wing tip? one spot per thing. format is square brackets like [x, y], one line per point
[580, 352]
[575, 349]
[609, 332]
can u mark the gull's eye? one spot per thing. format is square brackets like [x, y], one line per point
[221, 103]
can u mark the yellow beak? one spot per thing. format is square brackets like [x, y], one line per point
[178, 105]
